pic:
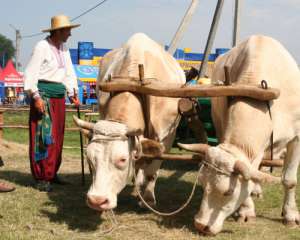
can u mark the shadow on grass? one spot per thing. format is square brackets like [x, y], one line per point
[171, 194]
[276, 220]
[71, 208]
[69, 201]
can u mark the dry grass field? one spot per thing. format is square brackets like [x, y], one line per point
[62, 214]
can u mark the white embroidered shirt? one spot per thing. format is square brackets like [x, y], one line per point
[50, 64]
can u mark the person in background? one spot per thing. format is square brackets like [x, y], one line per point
[10, 95]
[48, 77]
[85, 96]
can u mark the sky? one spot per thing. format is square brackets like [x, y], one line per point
[112, 23]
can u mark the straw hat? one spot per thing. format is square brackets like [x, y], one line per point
[59, 22]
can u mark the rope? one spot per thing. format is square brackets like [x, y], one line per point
[87, 11]
[165, 214]
[73, 19]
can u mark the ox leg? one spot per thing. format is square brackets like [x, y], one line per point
[246, 211]
[147, 180]
[139, 181]
[289, 180]
[257, 191]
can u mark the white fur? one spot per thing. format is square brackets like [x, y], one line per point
[244, 128]
[110, 128]
[112, 160]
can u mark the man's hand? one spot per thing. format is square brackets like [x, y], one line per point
[39, 105]
[75, 101]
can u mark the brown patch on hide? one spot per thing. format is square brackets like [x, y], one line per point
[151, 147]
[151, 178]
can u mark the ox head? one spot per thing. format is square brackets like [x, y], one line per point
[227, 181]
[110, 153]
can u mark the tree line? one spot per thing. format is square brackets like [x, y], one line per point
[7, 50]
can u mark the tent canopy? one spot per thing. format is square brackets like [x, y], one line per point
[86, 73]
[10, 76]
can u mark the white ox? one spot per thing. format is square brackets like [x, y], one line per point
[244, 128]
[113, 145]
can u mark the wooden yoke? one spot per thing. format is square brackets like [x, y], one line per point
[198, 158]
[145, 102]
[178, 91]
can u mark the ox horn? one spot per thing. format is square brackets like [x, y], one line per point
[83, 124]
[241, 168]
[250, 173]
[197, 147]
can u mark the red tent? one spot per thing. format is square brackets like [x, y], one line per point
[0, 70]
[10, 76]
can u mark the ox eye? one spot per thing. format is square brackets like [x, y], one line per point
[121, 163]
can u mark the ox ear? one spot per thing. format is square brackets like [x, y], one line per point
[250, 173]
[197, 147]
[87, 133]
[151, 147]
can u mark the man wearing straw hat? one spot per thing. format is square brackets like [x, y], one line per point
[48, 77]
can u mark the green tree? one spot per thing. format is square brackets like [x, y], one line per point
[7, 50]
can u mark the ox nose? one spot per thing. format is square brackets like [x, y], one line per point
[203, 229]
[97, 202]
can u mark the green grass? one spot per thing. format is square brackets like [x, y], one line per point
[71, 138]
[62, 214]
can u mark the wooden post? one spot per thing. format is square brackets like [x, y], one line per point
[227, 76]
[1, 123]
[109, 78]
[141, 73]
[145, 102]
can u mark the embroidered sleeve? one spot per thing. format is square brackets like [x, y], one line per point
[31, 74]
[71, 78]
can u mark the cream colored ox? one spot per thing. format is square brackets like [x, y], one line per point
[113, 144]
[244, 127]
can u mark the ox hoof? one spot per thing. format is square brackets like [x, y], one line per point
[246, 219]
[257, 195]
[202, 229]
[291, 224]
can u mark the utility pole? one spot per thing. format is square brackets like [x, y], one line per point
[236, 23]
[18, 43]
[183, 26]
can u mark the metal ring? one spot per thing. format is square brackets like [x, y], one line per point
[264, 84]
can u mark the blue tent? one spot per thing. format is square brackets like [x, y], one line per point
[87, 77]
[86, 73]
[2, 91]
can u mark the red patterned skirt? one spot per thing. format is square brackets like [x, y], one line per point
[46, 169]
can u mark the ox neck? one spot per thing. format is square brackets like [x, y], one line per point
[244, 154]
